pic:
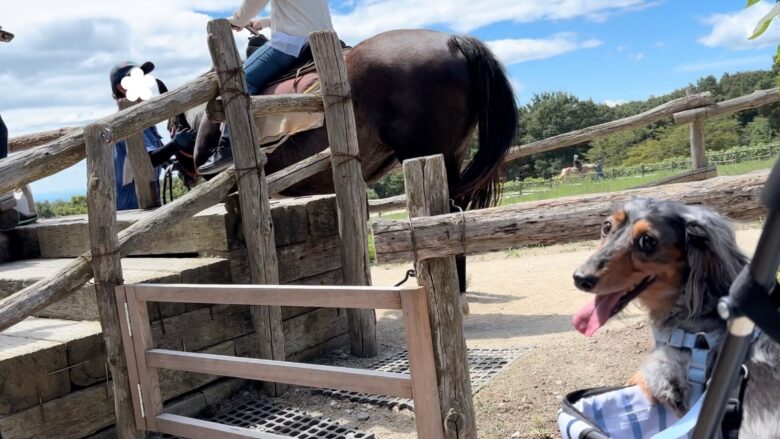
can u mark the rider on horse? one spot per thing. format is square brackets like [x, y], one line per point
[291, 22]
[577, 163]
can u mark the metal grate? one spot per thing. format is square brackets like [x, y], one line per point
[262, 415]
[484, 364]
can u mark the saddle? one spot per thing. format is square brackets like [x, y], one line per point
[275, 129]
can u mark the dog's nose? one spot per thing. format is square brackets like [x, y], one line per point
[585, 282]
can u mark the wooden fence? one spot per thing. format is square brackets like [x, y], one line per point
[144, 361]
[692, 109]
[96, 140]
[550, 221]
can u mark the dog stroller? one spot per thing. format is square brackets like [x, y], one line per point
[624, 412]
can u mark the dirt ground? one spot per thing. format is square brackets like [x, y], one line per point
[518, 299]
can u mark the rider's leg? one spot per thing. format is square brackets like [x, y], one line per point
[265, 64]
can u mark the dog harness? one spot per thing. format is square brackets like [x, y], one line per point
[703, 347]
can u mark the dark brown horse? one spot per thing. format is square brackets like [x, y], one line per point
[415, 93]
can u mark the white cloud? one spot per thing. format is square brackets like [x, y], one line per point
[371, 17]
[63, 52]
[638, 56]
[732, 30]
[512, 51]
[726, 64]
[613, 102]
[55, 72]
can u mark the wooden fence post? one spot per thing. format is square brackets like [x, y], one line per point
[143, 173]
[252, 189]
[107, 267]
[351, 190]
[696, 128]
[425, 180]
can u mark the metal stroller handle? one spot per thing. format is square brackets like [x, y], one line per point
[756, 281]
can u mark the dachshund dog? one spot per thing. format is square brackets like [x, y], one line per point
[676, 261]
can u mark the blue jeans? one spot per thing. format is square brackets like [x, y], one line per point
[265, 65]
[262, 67]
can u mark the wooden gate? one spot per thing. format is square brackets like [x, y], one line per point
[143, 360]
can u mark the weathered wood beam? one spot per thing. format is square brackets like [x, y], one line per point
[302, 170]
[351, 190]
[27, 141]
[425, 180]
[101, 203]
[753, 100]
[389, 204]
[552, 221]
[572, 138]
[252, 190]
[34, 164]
[273, 104]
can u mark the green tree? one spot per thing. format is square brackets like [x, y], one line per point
[613, 150]
[549, 114]
[390, 185]
[758, 131]
[674, 140]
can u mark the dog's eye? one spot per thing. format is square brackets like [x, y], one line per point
[606, 228]
[647, 243]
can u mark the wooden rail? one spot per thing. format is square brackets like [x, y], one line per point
[389, 204]
[27, 166]
[756, 99]
[144, 361]
[551, 221]
[27, 141]
[275, 295]
[692, 109]
[662, 111]
[265, 105]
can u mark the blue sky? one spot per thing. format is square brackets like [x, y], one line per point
[608, 50]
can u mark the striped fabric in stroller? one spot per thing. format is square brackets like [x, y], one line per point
[612, 413]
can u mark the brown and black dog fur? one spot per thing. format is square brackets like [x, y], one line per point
[676, 261]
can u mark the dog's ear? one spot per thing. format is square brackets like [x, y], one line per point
[714, 259]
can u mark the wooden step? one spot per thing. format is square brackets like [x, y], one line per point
[82, 305]
[35, 356]
[213, 231]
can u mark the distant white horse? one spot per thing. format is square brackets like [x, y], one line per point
[572, 172]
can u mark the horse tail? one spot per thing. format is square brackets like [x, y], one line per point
[495, 108]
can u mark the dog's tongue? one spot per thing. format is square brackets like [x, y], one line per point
[595, 313]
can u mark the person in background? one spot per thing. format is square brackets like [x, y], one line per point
[291, 22]
[599, 171]
[159, 153]
[126, 198]
[3, 139]
[577, 162]
[16, 207]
